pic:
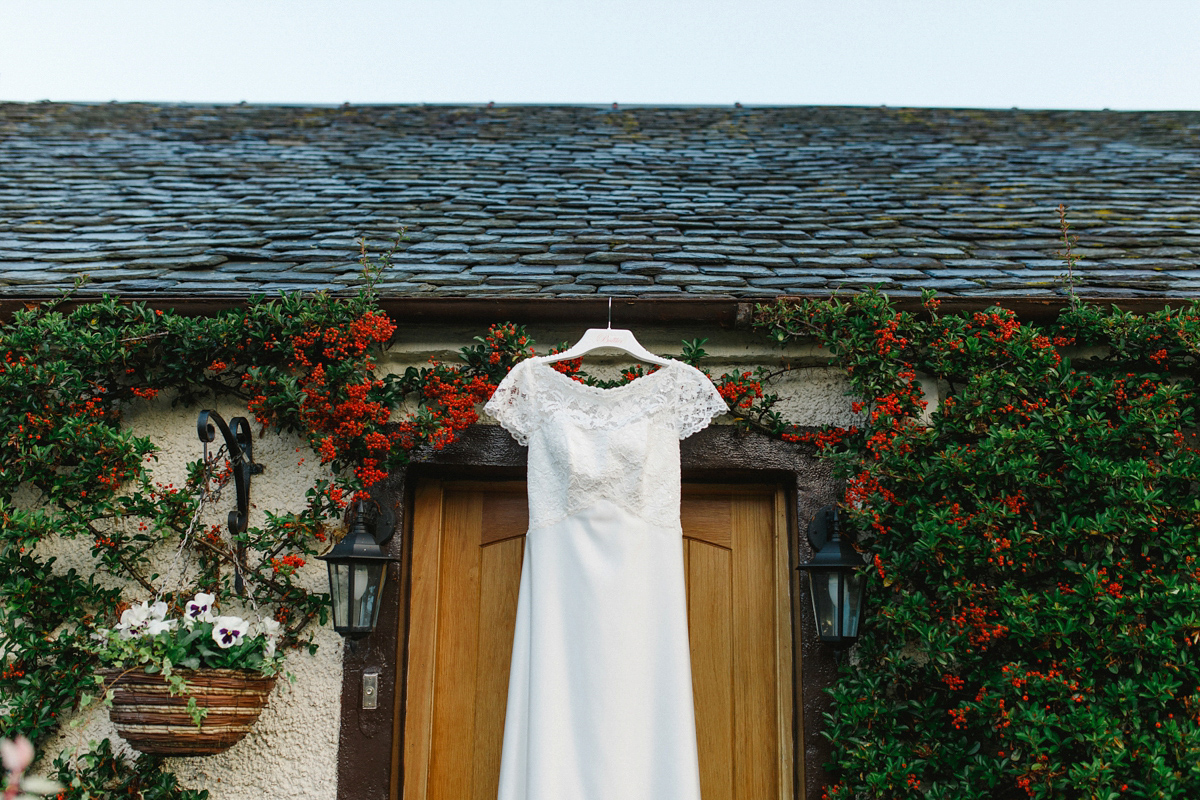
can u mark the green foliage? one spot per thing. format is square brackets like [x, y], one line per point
[1033, 628]
[1034, 616]
[70, 468]
[99, 774]
[205, 642]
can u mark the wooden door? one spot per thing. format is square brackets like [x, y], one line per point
[467, 544]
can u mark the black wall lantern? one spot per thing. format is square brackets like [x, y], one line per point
[358, 573]
[836, 580]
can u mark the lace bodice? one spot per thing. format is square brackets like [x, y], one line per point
[619, 444]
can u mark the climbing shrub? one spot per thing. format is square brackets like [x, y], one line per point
[1031, 539]
[1032, 536]
[70, 468]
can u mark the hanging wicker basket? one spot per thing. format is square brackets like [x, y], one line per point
[154, 721]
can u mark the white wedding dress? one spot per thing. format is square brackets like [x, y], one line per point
[600, 692]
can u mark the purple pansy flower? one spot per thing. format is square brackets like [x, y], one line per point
[228, 631]
[199, 609]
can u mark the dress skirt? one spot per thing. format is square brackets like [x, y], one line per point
[600, 694]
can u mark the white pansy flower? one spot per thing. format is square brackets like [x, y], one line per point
[133, 621]
[135, 616]
[269, 627]
[199, 609]
[157, 626]
[228, 631]
[158, 610]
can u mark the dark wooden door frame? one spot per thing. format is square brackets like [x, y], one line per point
[368, 762]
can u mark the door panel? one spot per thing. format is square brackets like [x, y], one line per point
[710, 628]
[468, 541]
[752, 643]
[707, 519]
[497, 617]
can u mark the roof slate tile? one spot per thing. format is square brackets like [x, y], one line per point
[515, 200]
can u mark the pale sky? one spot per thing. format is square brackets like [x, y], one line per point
[1120, 54]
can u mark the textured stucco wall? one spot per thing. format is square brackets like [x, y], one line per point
[292, 751]
[811, 394]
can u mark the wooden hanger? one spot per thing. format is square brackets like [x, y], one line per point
[619, 338]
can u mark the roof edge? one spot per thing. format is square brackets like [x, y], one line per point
[726, 312]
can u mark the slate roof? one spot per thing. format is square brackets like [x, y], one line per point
[569, 201]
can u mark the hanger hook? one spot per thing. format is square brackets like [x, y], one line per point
[610, 312]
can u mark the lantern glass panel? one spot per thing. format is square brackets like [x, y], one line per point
[826, 594]
[339, 585]
[854, 584]
[368, 586]
[837, 602]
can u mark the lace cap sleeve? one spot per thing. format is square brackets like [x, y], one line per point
[699, 402]
[512, 403]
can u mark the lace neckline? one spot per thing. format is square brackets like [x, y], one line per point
[600, 390]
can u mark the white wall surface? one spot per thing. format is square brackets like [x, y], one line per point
[291, 752]
[811, 394]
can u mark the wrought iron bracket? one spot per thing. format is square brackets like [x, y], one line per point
[239, 442]
[822, 526]
[382, 524]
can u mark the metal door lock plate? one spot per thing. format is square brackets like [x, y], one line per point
[370, 691]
